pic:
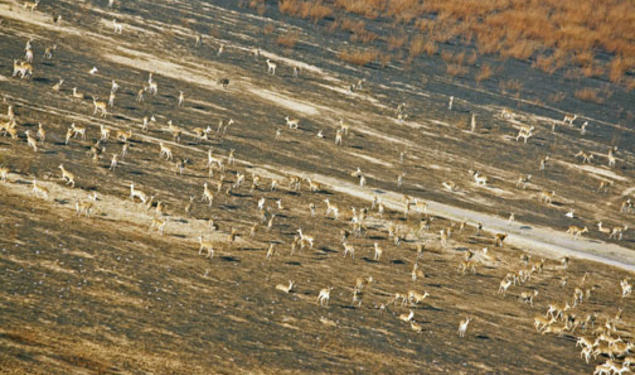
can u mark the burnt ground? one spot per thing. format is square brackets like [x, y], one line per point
[106, 294]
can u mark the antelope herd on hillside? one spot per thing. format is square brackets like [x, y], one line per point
[226, 178]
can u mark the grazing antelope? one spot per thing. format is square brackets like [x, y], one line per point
[31, 5]
[576, 231]
[541, 323]
[56, 87]
[504, 285]
[528, 297]
[40, 190]
[500, 237]
[78, 131]
[159, 225]
[117, 27]
[586, 158]
[463, 326]
[207, 195]
[547, 196]
[407, 317]
[77, 94]
[67, 176]
[286, 288]
[416, 298]
[569, 119]
[292, 123]
[100, 107]
[271, 67]
[324, 296]
[522, 181]
[83, 208]
[206, 245]
[31, 141]
[137, 194]
[604, 230]
[479, 179]
[525, 133]
[165, 151]
[450, 186]
[41, 133]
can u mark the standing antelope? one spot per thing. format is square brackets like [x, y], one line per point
[137, 194]
[324, 296]
[40, 190]
[576, 231]
[292, 123]
[285, 288]
[349, 249]
[117, 27]
[31, 141]
[206, 245]
[31, 5]
[207, 195]
[67, 176]
[100, 107]
[271, 67]
[165, 151]
[378, 252]
[463, 326]
[569, 119]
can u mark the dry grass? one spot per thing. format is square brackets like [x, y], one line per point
[288, 40]
[359, 57]
[588, 94]
[485, 73]
[511, 86]
[314, 10]
[396, 42]
[456, 70]
[557, 97]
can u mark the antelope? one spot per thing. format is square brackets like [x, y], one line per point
[611, 158]
[378, 252]
[152, 87]
[114, 86]
[123, 136]
[507, 114]
[500, 237]
[117, 27]
[41, 133]
[324, 296]
[22, 68]
[4, 172]
[304, 239]
[104, 133]
[83, 208]
[583, 128]
[504, 285]
[137, 194]
[541, 323]
[407, 317]
[463, 326]
[528, 297]
[584, 342]
[450, 103]
[569, 119]
[349, 249]
[100, 107]
[77, 94]
[576, 231]
[67, 176]
[205, 245]
[331, 209]
[547, 197]
[543, 162]
[479, 179]
[165, 151]
[56, 87]
[28, 55]
[604, 230]
[450, 186]
[158, 224]
[466, 265]
[559, 310]
[344, 127]
[627, 288]
[473, 123]
[285, 288]
[270, 251]
[31, 5]
[111, 99]
[48, 52]
[140, 98]
[525, 133]
[292, 123]
[416, 298]
[93, 70]
[40, 190]
[181, 99]
[586, 158]
[271, 67]
[31, 140]
[78, 131]
[207, 195]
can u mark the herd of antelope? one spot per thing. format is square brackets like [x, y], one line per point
[224, 177]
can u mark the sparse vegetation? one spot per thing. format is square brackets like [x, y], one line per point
[358, 57]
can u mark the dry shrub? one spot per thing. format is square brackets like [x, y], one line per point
[485, 73]
[314, 10]
[589, 95]
[289, 39]
[430, 48]
[368, 8]
[617, 68]
[471, 60]
[592, 70]
[520, 50]
[456, 70]
[556, 97]
[513, 85]
[359, 57]
[268, 29]
[417, 46]
[447, 56]
[396, 42]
